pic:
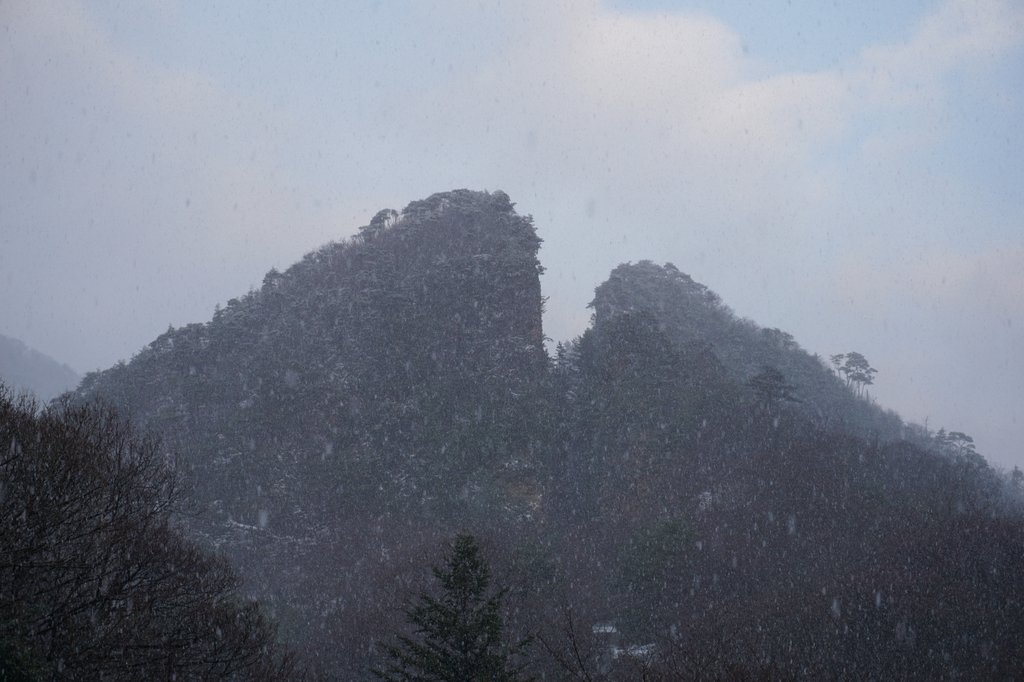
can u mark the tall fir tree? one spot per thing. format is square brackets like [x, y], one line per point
[459, 634]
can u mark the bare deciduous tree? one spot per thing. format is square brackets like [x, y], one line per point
[94, 581]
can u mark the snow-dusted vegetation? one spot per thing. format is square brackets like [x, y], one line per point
[675, 494]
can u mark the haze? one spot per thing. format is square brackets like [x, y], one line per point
[850, 176]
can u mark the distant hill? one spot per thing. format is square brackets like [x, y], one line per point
[23, 368]
[686, 478]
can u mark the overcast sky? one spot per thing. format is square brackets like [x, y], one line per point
[853, 176]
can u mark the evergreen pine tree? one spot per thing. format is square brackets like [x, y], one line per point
[459, 633]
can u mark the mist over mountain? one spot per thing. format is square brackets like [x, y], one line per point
[678, 476]
[24, 368]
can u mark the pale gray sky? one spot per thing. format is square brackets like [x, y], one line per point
[853, 176]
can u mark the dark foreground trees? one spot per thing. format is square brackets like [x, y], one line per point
[458, 634]
[94, 581]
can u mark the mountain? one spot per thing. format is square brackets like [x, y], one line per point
[676, 477]
[379, 384]
[355, 361]
[813, 537]
[23, 368]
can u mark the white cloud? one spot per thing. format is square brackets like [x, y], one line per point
[960, 33]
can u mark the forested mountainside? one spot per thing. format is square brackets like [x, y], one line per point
[699, 490]
[23, 368]
[395, 352]
[687, 313]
